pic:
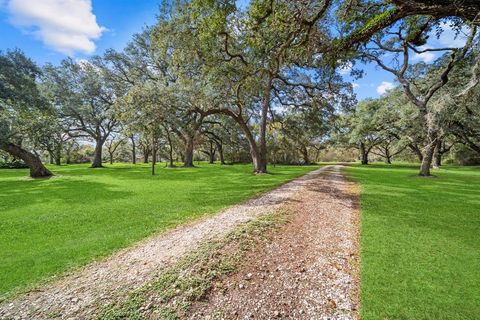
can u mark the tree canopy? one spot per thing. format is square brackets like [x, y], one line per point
[214, 79]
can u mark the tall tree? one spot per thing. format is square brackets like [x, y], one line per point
[25, 114]
[307, 128]
[410, 36]
[256, 59]
[85, 101]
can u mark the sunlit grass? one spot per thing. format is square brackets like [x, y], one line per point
[420, 255]
[50, 226]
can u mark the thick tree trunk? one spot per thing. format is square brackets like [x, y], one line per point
[220, 153]
[97, 159]
[437, 155]
[211, 155]
[363, 153]
[188, 159]
[253, 152]
[37, 169]
[261, 166]
[258, 166]
[364, 158]
[111, 158]
[305, 157]
[429, 149]
[427, 160]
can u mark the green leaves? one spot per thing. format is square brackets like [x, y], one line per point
[25, 113]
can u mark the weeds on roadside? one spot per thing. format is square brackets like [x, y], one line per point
[173, 292]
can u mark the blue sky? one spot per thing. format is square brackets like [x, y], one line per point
[50, 30]
[117, 20]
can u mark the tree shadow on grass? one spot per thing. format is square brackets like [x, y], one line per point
[20, 192]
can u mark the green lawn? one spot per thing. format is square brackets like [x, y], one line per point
[50, 226]
[420, 255]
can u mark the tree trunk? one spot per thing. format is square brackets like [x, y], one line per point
[97, 159]
[254, 151]
[51, 157]
[429, 149]
[257, 166]
[388, 156]
[220, 153]
[305, 157]
[261, 163]
[134, 151]
[58, 156]
[211, 154]
[146, 154]
[68, 156]
[427, 160]
[417, 151]
[170, 149]
[154, 160]
[188, 159]
[154, 155]
[363, 153]
[37, 169]
[111, 157]
[437, 155]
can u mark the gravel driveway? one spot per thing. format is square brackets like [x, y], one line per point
[306, 270]
[79, 293]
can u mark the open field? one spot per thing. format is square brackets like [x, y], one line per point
[420, 256]
[50, 226]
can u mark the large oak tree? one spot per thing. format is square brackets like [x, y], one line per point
[25, 114]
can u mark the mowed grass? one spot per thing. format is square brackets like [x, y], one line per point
[50, 226]
[420, 237]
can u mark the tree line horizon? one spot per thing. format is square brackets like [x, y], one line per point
[264, 79]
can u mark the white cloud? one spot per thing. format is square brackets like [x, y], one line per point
[384, 87]
[355, 85]
[426, 57]
[67, 26]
